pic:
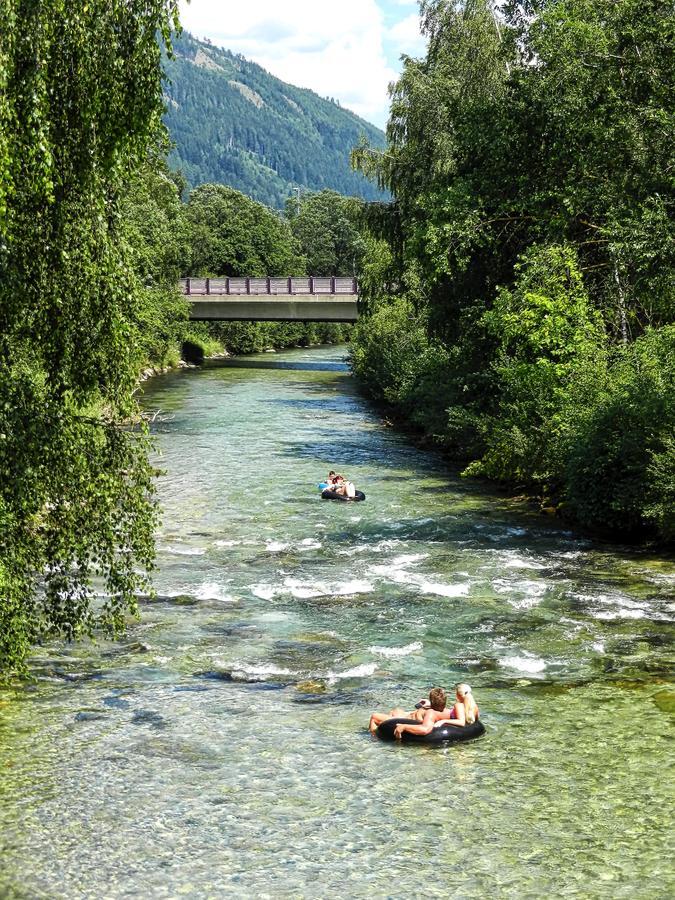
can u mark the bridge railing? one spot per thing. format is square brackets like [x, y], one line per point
[247, 287]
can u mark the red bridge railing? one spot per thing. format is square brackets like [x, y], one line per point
[237, 287]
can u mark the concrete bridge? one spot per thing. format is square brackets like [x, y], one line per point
[272, 299]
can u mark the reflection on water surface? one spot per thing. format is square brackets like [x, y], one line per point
[220, 749]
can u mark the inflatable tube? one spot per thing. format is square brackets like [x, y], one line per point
[331, 495]
[446, 734]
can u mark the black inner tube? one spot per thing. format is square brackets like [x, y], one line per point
[332, 495]
[449, 734]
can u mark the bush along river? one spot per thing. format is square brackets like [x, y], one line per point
[221, 748]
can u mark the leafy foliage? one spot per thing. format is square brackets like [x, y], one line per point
[80, 104]
[393, 354]
[622, 461]
[234, 123]
[548, 342]
[327, 226]
[160, 249]
[234, 235]
[531, 162]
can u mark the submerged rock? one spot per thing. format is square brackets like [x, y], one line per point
[116, 702]
[86, 715]
[79, 676]
[148, 717]
[215, 675]
[181, 600]
[139, 647]
[665, 701]
[311, 687]
[174, 599]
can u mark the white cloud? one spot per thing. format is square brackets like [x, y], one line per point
[406, 36]
[334, 48]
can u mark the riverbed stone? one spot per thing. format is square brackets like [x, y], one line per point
[665, 701]
[311, 687]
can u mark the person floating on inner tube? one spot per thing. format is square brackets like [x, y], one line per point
[435, 704]
[464, 712]
[340, 485]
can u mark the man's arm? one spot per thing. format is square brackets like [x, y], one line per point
[460, 720]
[425, 727]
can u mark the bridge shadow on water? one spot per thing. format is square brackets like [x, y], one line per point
[243, 363]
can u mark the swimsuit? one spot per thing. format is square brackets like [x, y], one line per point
[453, 714]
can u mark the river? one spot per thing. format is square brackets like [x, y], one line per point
[220, 749]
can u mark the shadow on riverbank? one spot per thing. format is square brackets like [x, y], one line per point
[246, 363]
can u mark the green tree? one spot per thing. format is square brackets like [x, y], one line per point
[530, 160]
[155, 223]
[326, 225]
[80, 104]
[621, 465]
[550, 349]
[159, 239]
[234, 235]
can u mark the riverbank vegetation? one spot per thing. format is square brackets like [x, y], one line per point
[530, 328]
[80, 106]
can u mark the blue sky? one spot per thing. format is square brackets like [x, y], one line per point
[401, 33]
[346, 49]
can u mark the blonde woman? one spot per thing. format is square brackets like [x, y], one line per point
[464, 712]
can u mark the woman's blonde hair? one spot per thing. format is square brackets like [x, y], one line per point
[470, 707]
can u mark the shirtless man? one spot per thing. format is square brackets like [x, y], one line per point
[434, 710]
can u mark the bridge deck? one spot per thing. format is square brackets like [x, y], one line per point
[272, 299]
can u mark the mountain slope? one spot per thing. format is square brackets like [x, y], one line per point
[232, 122]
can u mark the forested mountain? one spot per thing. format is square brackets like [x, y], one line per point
[234, 123]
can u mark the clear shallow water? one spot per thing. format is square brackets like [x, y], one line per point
[221, 749]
